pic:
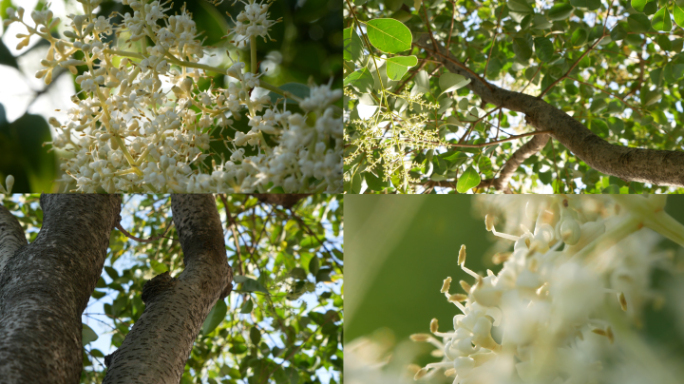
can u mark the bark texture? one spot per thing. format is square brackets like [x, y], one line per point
[11, 236]
[45, 287]
[160, 342]
[523, 153]
[659, 167]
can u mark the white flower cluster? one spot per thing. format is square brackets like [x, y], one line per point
[129, 133]
[253, 21]
[552, 313]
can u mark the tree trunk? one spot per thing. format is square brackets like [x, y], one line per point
[160, 342]
[45, 286]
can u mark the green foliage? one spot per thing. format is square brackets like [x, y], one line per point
[283, 321]
[389, 35]
[623, 78]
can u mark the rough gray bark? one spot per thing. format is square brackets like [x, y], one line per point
[45, 287]
[659, 167]
[159, 344]
[11, 236]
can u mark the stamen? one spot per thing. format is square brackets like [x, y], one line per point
[462, 255]
[459, 297]
[421, 373]
[464, 284]
[623, 301]
[446, 285]
[434, 326]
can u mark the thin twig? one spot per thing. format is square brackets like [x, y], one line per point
[150, 240]
[231, 225]
[572, 67]
[458, 64]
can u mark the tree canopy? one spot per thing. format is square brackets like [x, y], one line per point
[515, 96]
[281, 324]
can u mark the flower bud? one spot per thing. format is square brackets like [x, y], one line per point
[9, 182]
[70, 34]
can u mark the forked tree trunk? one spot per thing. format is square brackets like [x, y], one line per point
[45, 286]
[160, 342]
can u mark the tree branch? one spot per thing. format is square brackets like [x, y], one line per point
[658, 167]
[45, 287]
[157, 347]
[523, 153]
[11, 236]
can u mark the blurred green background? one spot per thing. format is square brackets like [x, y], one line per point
[307, 46]
[399, 249]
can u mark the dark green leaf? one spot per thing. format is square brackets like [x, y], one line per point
[247, 306]
[560, 11]
[298, 273]
[588, 4]
[6, 57]
[255, 335]
[111, 272]
[544, 48]
[88, 335]
[314, 265]
[215, 317]
[638, 23]
[353, 47]
[297, 89]
[520, 6]
[522, 48]
[579, 37]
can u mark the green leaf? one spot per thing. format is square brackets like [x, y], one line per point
[560, 11]
[297, 89]
[111, 272]
[255, 335]
[599, 126]
[618, 33]
[314, 265]
[639, 4]
[469, 179]
[353, 48]
[598, 105]
[452, 81]
[247, 306]
[664, 42]
[522, 48]
[298, 273]
[638, 23]
[6, 57]
[544, 48]
[361, 79]
[250, 285]
[88, 335]
[485, 166]
[588, 4]
[215, 317]
[579, 37]
[520, 6]
[398, 66]
[389, 35]
[679, 15]
[662, 21]
[98, 295]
